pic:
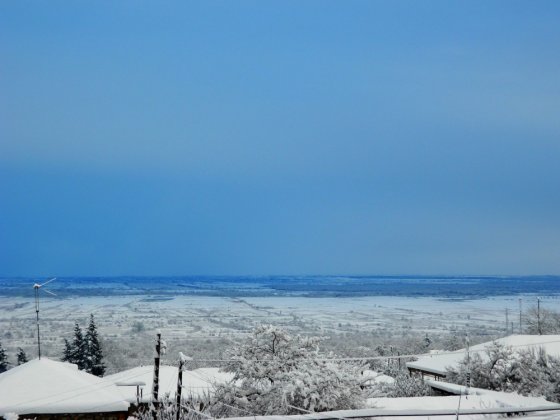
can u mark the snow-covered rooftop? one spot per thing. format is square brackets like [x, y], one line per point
[196, 382]
[425, 408]
[45, 386]
[497, 398]
[478, 399]
[481, 404]
[437, 363]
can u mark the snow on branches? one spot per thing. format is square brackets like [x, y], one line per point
[529, 372]
[275, 372]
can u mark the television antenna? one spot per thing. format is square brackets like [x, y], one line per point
[36, 288]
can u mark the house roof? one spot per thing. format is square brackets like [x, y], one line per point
[437, 363]
[473, 407]
[196, 382]
[45, 386]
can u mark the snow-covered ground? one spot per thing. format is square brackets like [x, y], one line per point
[214, 317]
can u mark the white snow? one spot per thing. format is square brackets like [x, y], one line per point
[196, 383]
[437, 363]
[374, 377]
[481, 399]
[495, 398]
[184, 358]
[441, 408]
[45, 386]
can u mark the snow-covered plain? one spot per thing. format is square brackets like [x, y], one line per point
[131, 321]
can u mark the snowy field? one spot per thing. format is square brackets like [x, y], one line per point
[203, 325]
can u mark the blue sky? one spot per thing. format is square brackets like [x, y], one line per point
[316, 137]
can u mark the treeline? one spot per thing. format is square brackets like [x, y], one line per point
[85, 350]
[4, 364]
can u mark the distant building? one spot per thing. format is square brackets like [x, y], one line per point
[46, 389]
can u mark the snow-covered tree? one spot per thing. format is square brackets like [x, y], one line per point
[531, 373]
[496, 371]
[427, 342]
[166, 409]
[3, 360]
[85, 351]
[541, 321]
[21, 356]
[93, 352]
[453, 342]
[528, 372]
[68, 353]
[78, 355]
[278, 373]
[407, 385]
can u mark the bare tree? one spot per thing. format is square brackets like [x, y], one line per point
[541, 321]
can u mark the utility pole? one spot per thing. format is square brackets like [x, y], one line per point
[539, 315]
[179, 387]
[182, 360]
[520, 317]
[155, 386]
[468, 379]
[507, 321]
[468, 342]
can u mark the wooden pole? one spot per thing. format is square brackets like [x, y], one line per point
[179, 388]
[155, 386]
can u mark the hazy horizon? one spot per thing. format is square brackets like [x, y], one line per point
[249, 275]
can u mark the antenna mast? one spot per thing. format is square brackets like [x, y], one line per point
[36, 288]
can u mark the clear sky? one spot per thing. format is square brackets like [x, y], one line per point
[279, 137]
